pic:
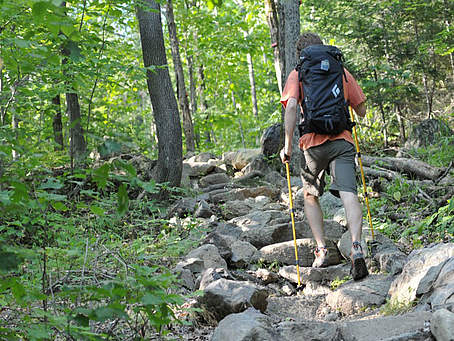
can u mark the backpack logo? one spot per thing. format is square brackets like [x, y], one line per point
[335, 90]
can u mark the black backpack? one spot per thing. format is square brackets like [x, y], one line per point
[320, 71]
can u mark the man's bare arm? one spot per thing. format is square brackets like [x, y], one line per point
[289, 126]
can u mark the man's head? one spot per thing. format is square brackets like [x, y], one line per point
[307, 39]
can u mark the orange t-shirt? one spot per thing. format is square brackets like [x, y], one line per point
[352, 93]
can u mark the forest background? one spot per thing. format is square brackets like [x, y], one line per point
[74, 89]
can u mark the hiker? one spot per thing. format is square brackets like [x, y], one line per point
[332, 153]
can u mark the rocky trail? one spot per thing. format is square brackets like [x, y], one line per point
[246, 269]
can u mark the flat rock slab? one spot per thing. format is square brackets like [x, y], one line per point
[319, 275]
[244, 193]
[352, 297]
[284, 253]
[411, 326]
[308, 330]
[442, 325]
[294, 308]
[246, 326]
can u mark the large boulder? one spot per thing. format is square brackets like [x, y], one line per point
[420, 274]
[246, 326]
[244, 193]
[442, 325]
[352, 297]
[308, 330]
[240, 158]
[270, 140]
[202, 258]
[284, 253]
[318, 275]
[411, 326]
[224, 297]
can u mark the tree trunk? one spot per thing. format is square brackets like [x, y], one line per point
[57, 124]
[181, 87]
[165, 108]
[271, 7]
[252, 82]
[292, 32]
[193, 95]
[2, 109]
[77, 146]
[203, 104]
[239, 120]
[383, 115]
[400, 121]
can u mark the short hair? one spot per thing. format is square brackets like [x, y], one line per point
[307, 39]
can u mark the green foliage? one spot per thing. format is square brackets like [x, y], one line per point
[392, 307]
[337, 282]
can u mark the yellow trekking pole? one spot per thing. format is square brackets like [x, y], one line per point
[292, 214]
[362, 173]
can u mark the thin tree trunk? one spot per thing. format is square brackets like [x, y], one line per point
[383, 116]
[165, 108]
[252, 82]
[278, 53]
[57, 123]
[239, 120]
[193, 95]
[204, 106]
[400, 121]
[181, 87]
[2, 109]
[292, 32]
[77, 144]
[14, 126]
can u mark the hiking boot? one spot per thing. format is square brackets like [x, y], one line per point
[321, 257]
[359, 268]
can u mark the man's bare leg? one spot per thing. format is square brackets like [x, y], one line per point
[314, 216]
[353, 213]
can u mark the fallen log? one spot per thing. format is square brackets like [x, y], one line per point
[412, 167]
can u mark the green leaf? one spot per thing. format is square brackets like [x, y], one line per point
[150, 299]
[101, 174]
[68, 29]
[397, 196]
[39, 9]
[20, 192]
[59, 206]
[122, 199]
[51, 183]
[82, 320]
[97, 210]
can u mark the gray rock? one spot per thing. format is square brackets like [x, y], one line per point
[256, 219]
[295, 307]
[284, 252]
[441, 292]
[182, 208]
[224, 297]
[214, 179]
[411, 326]
[352, 297]
[239, 159]
[202, 157]
[198, 169]
[258, 164]
[276, 179]
[202, 258]
[330, 204]
[211, 275]
[345, 245]
[203, 210]
[318, 275]
[187, 278]
[246, 326]
[243, 254]
[235, 208]
[308, 330]
[441, 325]
[405, 287]
[270, 140]
[316, 289]
[244, 193]
[340, 217]
[266, 276]
[261, 235]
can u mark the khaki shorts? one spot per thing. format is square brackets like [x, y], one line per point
[335, 157]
